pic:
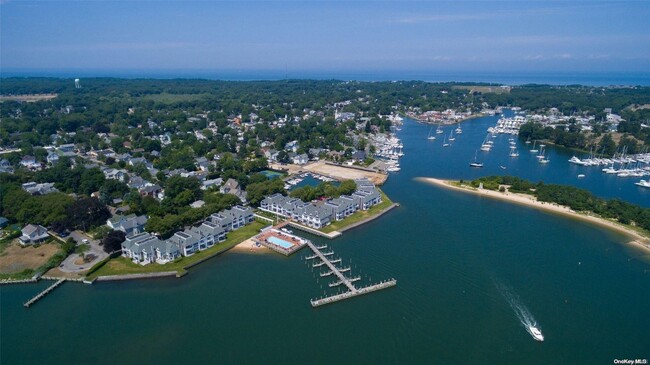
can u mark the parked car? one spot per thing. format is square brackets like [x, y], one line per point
[85, 240]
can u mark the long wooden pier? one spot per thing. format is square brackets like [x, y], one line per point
[342, 279]
[43, 293]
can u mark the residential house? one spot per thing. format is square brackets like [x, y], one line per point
[115, 174]
[233, 218]
[154, 191]
[66, 148]
[29, 162]
[137, 160]
[232, 187]
[207, 184]
[271, 155]
[39, 189]
[301, 159]
[52, 158]
[33, 233]
[130, 224]
[5, 166]
[145, 248]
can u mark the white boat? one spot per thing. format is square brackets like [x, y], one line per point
[536, 333]
[576, 161]
[476, 163]
[459, 131]
[580, 176]
[502, 167]
[451, 136]
[438, 130]
[643, 184]
[534, 150]
[431, 137]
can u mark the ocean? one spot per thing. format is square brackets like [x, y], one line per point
[506, 77]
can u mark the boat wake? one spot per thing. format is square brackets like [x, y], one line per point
[523, 314]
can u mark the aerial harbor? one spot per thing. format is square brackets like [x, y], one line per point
[359, 183]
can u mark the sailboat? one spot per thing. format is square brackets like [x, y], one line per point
[438, 130]
[476, 163]
[542, 158]
[431, 137]
[451, 136]
[444, 142]
[534, 150]
[513, 152]
[459, 130]
[486, 146]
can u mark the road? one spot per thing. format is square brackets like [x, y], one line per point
[69, 265]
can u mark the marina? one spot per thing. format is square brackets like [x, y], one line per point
[352, 291]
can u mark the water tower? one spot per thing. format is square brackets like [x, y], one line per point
[77, 84]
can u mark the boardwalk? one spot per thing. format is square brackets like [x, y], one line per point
[353, 291]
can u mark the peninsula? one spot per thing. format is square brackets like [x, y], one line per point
[639, 238]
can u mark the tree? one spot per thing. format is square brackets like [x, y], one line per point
[87, 213]
[177, 184]
[607, 145]
[113, 241]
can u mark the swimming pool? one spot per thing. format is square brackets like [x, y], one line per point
[280, 242]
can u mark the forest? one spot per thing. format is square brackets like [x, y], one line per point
[577, 199]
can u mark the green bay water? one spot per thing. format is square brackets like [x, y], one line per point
[448, 250]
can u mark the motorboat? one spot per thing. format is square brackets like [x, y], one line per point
[536, 333]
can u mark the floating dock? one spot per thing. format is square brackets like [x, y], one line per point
[43, 293]
[342, 280]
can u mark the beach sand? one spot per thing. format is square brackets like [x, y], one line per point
[637, 240]
[249, 246]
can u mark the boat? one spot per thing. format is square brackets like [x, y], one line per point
[576, 161]
[534, 150]
[580, 176]
[444, 142]
[536, 333]
[513, 152]
[502, 167]
[643, 184]
[476, 163]
[438, 130]
[459, 130]
[451, 136]
[431, 137]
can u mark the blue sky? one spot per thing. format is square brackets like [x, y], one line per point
[299, 35]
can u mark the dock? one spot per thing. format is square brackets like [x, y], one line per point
[353, 291]
[351, 294]
[43, 293]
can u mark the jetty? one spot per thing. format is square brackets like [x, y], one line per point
[352, 291]
[43, 293]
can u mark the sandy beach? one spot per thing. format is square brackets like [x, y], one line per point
[637, 240]
[249, 246]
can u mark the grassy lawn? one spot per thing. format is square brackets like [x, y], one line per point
[359, 215]
[20, 262]
[122, 265]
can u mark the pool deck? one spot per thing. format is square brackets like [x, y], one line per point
[263, 239]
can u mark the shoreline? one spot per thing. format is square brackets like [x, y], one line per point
[250, 247]
[638, 240]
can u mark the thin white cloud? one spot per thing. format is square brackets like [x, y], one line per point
[464, 17]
